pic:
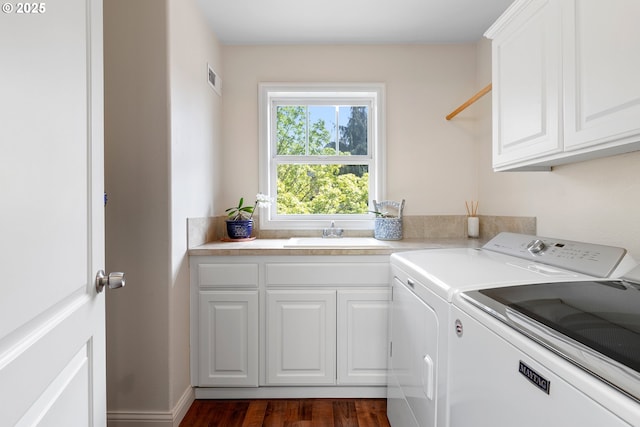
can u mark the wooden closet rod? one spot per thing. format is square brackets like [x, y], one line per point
[471, 100]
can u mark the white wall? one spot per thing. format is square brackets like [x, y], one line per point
[430, 162]
[162, 145]
[595, 201]
[196, 112]
[137, 214]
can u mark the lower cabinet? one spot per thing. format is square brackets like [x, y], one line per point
[304, 347]
[272, 322]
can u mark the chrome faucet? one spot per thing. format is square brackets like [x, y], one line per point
[332, 232]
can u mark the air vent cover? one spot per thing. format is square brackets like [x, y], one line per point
[214, 80]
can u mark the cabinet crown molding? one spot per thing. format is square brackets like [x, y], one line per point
[506, 17]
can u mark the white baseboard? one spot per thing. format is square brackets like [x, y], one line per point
[290, 392]
[153, 418]
[183, 405]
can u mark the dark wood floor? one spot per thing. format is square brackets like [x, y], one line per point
[287, 413]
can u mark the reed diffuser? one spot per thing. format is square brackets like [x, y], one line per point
[473, 222]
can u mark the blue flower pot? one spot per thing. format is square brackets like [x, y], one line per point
[239, 229]
[388, 229]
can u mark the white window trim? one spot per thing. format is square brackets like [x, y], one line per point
[267, 92]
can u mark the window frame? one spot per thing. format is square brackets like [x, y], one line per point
[273, 94]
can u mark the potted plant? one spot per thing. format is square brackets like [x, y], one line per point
[388, 225]
[240, 217]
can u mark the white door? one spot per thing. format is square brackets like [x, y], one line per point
[52, 342]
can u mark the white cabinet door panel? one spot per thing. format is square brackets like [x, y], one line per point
[228, 338]
[526, 91]
[301, 340]
[362, 336]
[602, 88]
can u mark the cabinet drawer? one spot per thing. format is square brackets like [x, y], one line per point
[213, 275]
[327, 274]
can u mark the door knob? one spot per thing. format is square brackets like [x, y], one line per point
[113, 280]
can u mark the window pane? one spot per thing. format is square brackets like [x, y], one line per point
[323, 129]
[312, 130]
[292, 130]
[353, 130]
[322, 189]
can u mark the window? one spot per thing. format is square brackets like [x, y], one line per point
[321, 154]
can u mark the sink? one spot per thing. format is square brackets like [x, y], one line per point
[336, 243]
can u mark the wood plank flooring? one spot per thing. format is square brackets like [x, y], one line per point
[287, 413]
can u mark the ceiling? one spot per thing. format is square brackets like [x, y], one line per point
[248, 22]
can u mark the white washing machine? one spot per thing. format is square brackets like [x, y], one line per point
[440, 378]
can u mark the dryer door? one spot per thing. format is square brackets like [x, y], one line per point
[413, 360]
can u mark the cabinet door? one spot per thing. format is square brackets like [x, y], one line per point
[228, 338]
[301, 337]
[526, 85]
[602, 88]
[362, 336]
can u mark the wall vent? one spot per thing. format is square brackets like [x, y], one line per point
[214, 80]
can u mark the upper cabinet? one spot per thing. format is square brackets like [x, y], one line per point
[526, 83]
[565, 84]
[602, 72]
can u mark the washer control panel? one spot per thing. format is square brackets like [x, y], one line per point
[586, 258]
